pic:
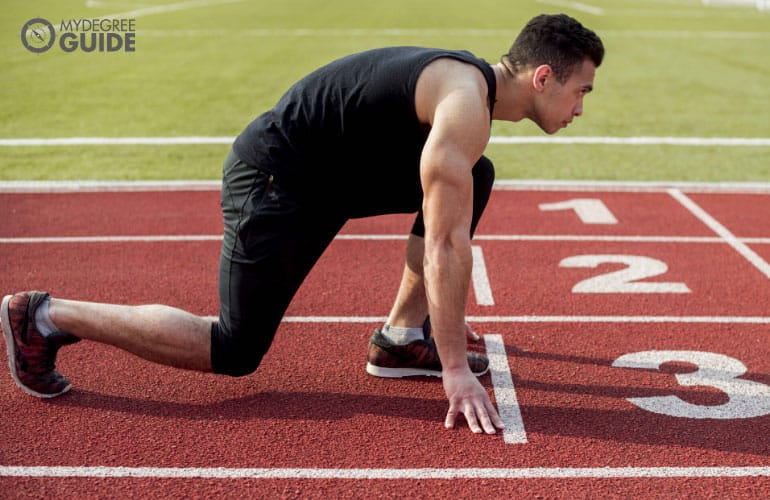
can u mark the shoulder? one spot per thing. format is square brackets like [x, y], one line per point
[447, 80]
[452, 100]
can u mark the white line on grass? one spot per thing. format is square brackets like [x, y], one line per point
[505, 394]
[163, 9]
[722, 231]
[580, 7]
[635, 141]
[116, 141]
[433, 32]
[208, 140]
[383, 473]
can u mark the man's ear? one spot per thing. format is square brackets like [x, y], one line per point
[540, 77]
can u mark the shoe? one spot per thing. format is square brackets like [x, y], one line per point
[420, 357]
[31, 356]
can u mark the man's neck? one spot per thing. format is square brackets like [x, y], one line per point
[513, 98]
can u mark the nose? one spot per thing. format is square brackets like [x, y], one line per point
[578, 111]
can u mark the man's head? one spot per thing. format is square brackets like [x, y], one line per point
[550, 69]
[558, 41]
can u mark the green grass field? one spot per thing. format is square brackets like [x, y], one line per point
[674, 68]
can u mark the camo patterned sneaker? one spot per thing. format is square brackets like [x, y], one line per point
[420, 357]
[31, 356]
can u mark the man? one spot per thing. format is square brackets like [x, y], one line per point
[392, 130]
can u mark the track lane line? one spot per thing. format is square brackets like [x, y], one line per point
[380, 237]
[760, 320]
[15, 187]
[385, 473]
[480, 279]
[505, 394]
[722, 231]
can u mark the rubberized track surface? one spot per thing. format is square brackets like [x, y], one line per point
[653, 382]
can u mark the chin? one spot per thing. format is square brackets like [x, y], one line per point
[548, 130]
[551, 131]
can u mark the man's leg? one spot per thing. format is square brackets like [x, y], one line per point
[158, 333]
[400, 348]
[283, 245]
[411, 306]
[35, 327]
[272, 239]
[254, 294]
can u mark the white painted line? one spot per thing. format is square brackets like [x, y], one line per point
[635, 141]
[162, 9]
[505, 394]
[716, 320]
[590, 238]
[687, 34]
[439, 32]
[580, 7]
[106, 186]
[116, 141]
[204, 140]
[414, 473]
[631, 186]
[111, 239]
[722, 231]
[588, 210]
[24, 240]
[372, 237]
[502, 185]
[481, 287]
[333, 319]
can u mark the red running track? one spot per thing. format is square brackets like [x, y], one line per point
[620, 393]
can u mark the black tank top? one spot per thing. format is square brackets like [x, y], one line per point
[348, 132]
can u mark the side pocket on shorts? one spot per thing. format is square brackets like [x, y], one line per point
[253, 210]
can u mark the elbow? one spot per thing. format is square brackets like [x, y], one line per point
[446, 252]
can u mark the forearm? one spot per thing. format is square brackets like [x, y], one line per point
[447, 269]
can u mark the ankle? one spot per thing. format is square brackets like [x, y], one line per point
[402, 335]
[43, 321]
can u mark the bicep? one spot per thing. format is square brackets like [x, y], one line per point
[456, 141]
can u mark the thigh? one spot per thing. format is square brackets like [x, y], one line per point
[271, 243]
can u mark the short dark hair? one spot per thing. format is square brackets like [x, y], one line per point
[557, 40]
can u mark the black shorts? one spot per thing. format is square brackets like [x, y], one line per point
[271, 242]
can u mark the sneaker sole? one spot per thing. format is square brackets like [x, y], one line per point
[379, 371]
[9, 344]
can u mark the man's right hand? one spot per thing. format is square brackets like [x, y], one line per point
[467, 396]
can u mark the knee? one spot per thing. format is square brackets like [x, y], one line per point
[483, 181]
[484, 174]
[237, 365]
[234, 353]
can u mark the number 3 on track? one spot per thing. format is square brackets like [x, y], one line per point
[747, 399]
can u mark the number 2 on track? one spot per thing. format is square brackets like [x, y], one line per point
[624, 280]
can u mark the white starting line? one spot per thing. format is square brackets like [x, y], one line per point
[384, 473]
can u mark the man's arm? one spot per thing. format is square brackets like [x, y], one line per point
[453, 100]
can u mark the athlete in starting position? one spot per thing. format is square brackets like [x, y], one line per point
[392, 130]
